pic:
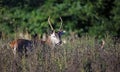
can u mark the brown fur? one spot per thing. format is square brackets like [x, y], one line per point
[13, 43]
[20, 45]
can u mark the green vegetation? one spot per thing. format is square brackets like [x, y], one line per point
[90, 19]
[96, 18]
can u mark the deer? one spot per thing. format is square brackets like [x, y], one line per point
[52, 40]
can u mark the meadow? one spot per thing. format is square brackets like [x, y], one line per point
[79, 55]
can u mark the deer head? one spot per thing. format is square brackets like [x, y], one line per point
[55, 37]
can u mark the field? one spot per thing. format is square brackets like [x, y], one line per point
[80, 55]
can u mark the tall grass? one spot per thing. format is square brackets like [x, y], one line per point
[81, 55]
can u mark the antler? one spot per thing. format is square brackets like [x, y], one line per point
[61, 23]
[50, 23]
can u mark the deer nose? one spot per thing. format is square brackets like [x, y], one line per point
[59, 43]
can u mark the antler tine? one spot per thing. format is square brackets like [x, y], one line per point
[50, 23]
[61, 23]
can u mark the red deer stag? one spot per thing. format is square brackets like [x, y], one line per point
[20, 45]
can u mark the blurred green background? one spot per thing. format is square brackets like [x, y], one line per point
[92, 17]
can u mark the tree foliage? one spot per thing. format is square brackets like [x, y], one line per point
[94, 17]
